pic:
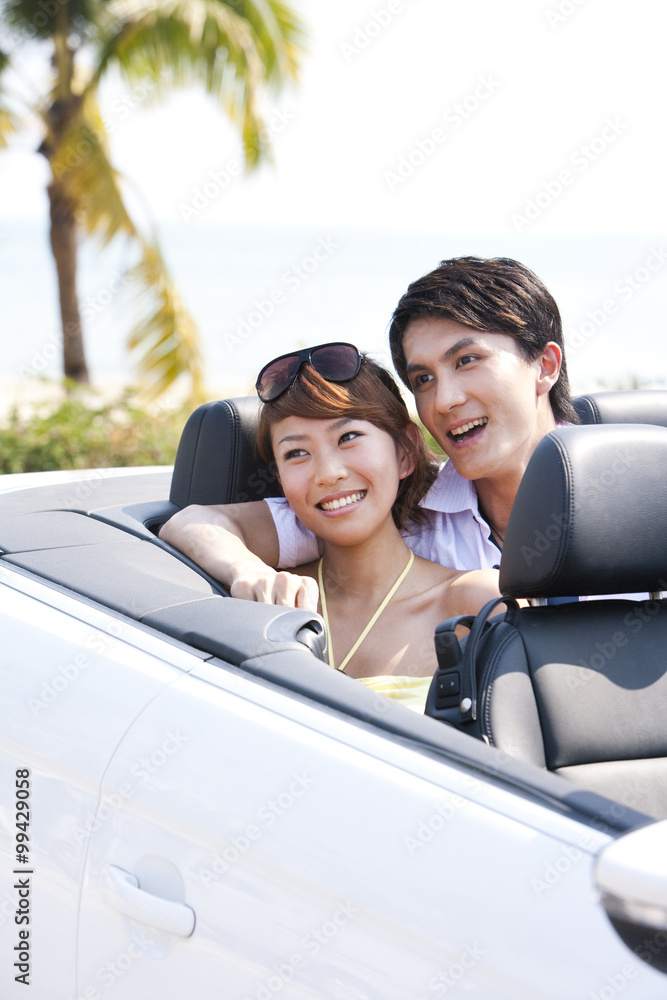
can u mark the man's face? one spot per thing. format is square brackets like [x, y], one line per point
[485, 405]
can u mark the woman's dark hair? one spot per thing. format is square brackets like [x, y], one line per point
[371, 395]
[498, 295]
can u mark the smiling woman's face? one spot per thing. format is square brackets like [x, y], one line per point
[340, 476]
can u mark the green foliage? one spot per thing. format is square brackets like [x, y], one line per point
[431, 442]
[74, 434]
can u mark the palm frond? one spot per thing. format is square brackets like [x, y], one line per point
[232, 51]
[32, 19]
[279, 36]
[9, 120]
[165, 341]
[81, 164]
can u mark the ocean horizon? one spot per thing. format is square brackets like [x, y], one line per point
[258, 291]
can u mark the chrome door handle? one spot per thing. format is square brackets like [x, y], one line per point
[122, 891]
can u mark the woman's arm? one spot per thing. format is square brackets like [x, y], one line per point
[238, 545]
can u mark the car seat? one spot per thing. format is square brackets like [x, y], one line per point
[631, 406]
[217, 459]
[579, 688]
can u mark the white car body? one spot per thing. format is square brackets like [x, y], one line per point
[198, 830]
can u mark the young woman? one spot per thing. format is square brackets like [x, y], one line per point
[353, 467]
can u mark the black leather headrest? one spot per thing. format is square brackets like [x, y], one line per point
[590, 515]
[633, 406]
[217, 460]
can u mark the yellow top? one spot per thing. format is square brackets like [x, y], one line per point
[409, 691]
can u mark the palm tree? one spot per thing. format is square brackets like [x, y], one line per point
[233, 48]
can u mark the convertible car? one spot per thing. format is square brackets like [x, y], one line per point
[194, 805]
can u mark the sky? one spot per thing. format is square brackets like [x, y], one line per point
[423, 114]
[500, 125]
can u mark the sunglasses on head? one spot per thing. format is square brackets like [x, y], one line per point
[336, 362]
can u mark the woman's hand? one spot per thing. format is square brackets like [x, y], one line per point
[235, 544]
[255, 581]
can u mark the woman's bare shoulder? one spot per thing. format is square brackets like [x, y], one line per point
[470, 590]
[432, 574]
[458, 591]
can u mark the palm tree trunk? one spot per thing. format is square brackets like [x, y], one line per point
[63, 246]
[59, 116]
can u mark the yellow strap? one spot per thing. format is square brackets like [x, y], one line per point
[371, 623]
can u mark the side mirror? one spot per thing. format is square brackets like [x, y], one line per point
[631, 876]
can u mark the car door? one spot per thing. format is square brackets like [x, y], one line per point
[70, 687]
[266, 846]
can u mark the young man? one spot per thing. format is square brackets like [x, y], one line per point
[479, 343]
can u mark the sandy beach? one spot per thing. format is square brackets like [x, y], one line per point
[27, 395]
